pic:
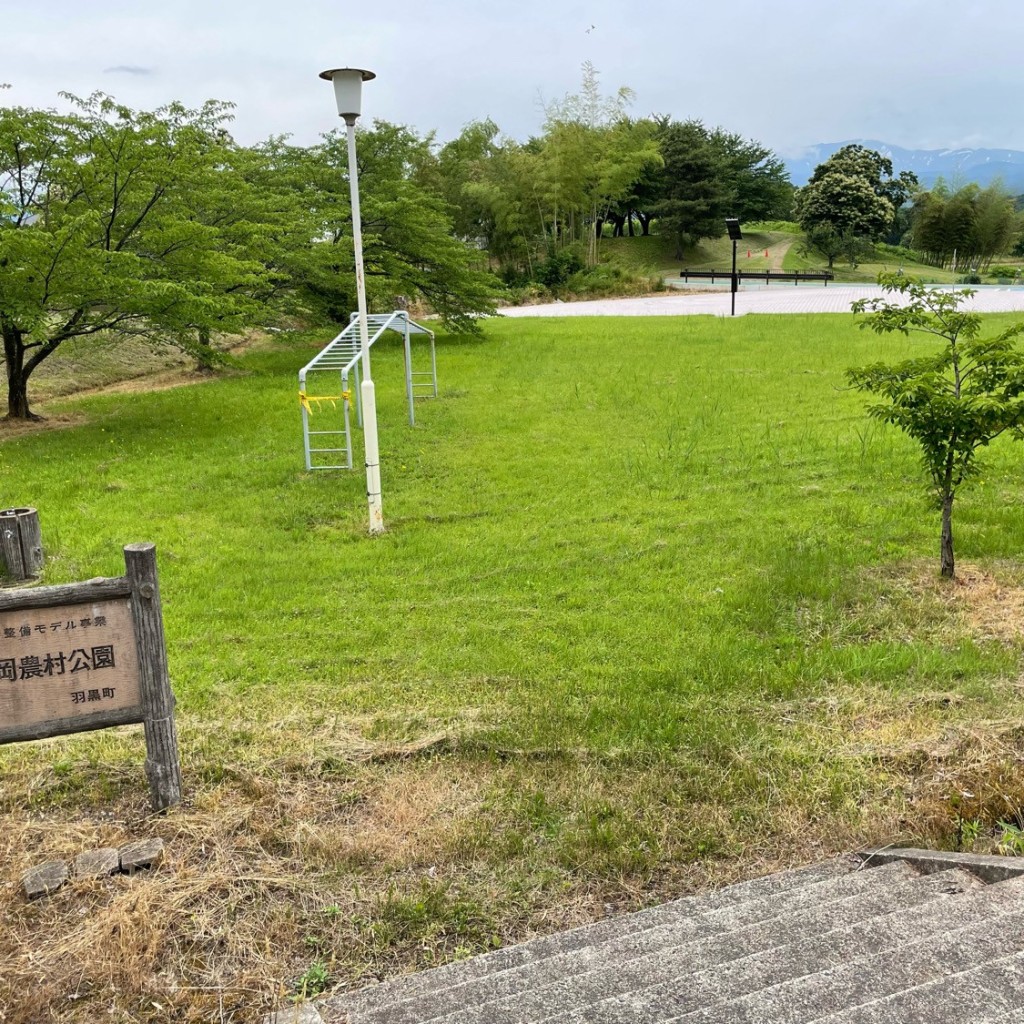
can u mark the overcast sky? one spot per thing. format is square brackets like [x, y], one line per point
[790, 73]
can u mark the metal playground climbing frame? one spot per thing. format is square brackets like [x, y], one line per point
[330, 446]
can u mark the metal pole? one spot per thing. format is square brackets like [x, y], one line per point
[408, 373]
[733, 278]
[369, 404]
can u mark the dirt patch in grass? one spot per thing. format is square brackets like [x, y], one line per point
[913, 600]
[993, 608]
[119, 366]
[58, 421]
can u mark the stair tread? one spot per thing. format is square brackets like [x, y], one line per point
[700, 964]
[803, 957]
[826, 944]
[617, 949]
[984, 995]
[849, 986]
[544, 946]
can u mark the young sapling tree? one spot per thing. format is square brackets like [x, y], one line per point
[953, 401]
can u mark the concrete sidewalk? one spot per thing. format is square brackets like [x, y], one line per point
[804, 299]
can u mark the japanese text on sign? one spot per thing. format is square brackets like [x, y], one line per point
[66, 662]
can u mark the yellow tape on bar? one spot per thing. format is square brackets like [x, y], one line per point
[307, 401]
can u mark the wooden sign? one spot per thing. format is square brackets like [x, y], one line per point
[65, 664]
[89, 656]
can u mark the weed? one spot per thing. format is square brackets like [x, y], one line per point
[313, 980]
[1011, 840]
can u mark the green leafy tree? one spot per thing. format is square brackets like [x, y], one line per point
[408, 246]
[847, 203]
[855, 193]
[825, 241]
[755, 177]
[711, 174]
[108, 224]
[967, 228]
[695, 195]
[591, 156]
[953, 402]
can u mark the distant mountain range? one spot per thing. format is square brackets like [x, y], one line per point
[956, 166]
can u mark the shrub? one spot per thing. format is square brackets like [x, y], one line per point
[559, 267]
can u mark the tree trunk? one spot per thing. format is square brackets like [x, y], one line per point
[629, 221]
[206, 355]
[17, 379]
[946, 546]
[645, 223]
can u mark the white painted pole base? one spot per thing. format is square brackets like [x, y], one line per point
[372, 456]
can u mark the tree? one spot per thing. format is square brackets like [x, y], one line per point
[695, 195]
[592, 154]
[408, 245]
[854, 192]
[711, 174]
[755, 177]
[953, 402]
[845, 202]
[103, 229]
[968, 227]
[823, 240]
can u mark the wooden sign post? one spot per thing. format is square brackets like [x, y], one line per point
[21, 543]
[89, 656]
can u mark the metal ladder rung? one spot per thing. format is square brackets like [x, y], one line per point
[321, 451]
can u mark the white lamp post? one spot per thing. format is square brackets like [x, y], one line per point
[348, 88]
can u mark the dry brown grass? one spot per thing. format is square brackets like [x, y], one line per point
[982, 603]
[371, 859]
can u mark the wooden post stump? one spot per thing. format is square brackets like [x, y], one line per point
[21, 543]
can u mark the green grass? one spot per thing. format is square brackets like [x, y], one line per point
[655, 598]
[656, 253]
[867, 273]
[584, 538]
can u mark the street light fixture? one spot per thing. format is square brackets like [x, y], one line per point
[348, 88]
[732, 225]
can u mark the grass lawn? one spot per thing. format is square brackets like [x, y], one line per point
[657, 607]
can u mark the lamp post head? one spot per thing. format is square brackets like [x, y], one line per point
[348, 89]
[732, 225]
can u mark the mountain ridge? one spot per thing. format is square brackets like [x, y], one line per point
[956, 166]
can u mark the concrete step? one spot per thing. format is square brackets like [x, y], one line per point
[848, 986]
[925, 937]
[703, 963]
[606, 959]
[806, 954]
[990, 994]
[412, 985]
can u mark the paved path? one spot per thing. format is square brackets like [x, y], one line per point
[775, 299]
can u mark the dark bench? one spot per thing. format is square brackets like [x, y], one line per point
[796, 276]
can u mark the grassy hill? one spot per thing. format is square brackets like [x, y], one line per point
[783, 243]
